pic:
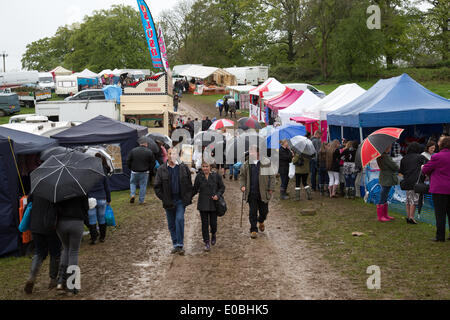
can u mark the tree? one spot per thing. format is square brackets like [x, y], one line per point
[438, 17]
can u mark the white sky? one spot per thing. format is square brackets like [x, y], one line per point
[25, 21]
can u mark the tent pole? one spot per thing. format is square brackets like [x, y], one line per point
[328, 133]
[342, 133]
[361, 134]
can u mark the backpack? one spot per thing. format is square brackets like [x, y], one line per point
[300, 162]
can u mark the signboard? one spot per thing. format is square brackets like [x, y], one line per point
[156, 85]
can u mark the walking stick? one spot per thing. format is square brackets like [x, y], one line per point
[242, 207]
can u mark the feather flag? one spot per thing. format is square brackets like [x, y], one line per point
[150, 34]
[163, 49]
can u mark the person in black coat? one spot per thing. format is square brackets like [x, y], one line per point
[209, 185]
[410, 168]
[141, 162]
[173, 185]
[286, 156]
[45, 239]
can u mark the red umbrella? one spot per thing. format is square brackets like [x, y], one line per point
[222, 123]
[375, 144]
[249, 123]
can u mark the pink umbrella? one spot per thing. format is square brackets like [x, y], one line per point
[222, 123]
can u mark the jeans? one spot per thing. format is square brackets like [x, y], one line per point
[284, 181]
[323, 176]
[139, 179]
[70, 232]
[256, 204]
[301, 178]
[441, 210]
[175, 221]
[46, 244]
[236, 172]
[350, 180]
[384, 194]
[98, 213]
[313, 166]
[209, 219]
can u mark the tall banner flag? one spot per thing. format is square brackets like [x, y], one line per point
[150, 34]
[163, 48]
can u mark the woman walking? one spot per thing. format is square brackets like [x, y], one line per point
[209, 185]
[286, 156]
[302, 169]
[438, 169]
[333, 160]
[72, 215]
[388, 178]
[349, 170]
[45, 239]
[410, 168]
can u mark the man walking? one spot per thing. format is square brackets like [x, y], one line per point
[176, 101]
[141, 162]
[257, 187]
[316, 140]
[173, 186]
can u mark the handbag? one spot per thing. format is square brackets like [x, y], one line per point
[221, 207]
[25, 223]
[109, 217]
[421, 187]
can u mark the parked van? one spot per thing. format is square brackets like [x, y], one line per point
[46, 81]
[9, 104]
[66, 85]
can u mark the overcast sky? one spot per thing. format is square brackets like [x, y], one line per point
[23, 22]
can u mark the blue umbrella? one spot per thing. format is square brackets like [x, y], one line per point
[219, 103]
[287, 131]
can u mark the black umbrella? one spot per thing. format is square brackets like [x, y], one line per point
[161, 138]
[152, 145]
[54, 152]
[66, 176]
[249, 123]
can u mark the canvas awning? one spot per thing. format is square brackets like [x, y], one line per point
[269, 88]
[297, 108]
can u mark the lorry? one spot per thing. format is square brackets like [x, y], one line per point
[30, 95]
[263, 73]
[78, 110]
[149, 103]
[9, 104]
[245, 75]
[18, 79]
[46, 81]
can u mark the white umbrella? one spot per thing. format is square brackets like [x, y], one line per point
[303, 145]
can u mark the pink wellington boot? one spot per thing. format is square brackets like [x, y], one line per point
[380, 213]
[385, 211]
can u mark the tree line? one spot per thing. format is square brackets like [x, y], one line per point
[298, 38]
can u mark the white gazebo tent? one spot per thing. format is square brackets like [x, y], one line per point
[270, 88]
[297, 109]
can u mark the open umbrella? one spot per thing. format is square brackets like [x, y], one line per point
[375, 144]
[161, 138]
[303, 145]
[267, 131]
[53, 152]
[219, 103]
[249, 123]
[222, 123]
[66, 176]
[152, 145]
[94, 150]
[287, 131]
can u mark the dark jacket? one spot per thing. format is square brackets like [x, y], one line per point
[101, 191]
[388, 171]
[317, 144]
[39, 212]
[348, 155]
[141, 159]
[335, 163]
[207, 189]
[74, 209]
[410, 168]
[163, 187]
[285, 160]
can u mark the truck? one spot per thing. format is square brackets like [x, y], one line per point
[9, 104]
[263, 73]
[46, 81]
[245, 75]
[30, 95]
[78, 110]
[149, 103]
[18, 79]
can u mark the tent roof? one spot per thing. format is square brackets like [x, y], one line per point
[241, 88]
[297, 109]
[106, 71]
[61, 71]
[396, 101]
[278, 96]
[200, 72]
[27, 143]
[338, 98]
[99, 130]
[285, 101]
[270, 87]
[86, 73]
[182, 67]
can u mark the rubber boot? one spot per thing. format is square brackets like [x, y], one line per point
[53, 272]
[62, 278]
[347, 193]
[322, 190]
[207, 246]
[297, 194]
[36, 264]
[308, 192]
[102, 228]
[94, 233]
[352, 193]
[380, 213]
[213, 239]
[385, 210]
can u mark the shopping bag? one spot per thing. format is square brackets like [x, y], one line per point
[291, 170]
[109, 217]
[25, 223]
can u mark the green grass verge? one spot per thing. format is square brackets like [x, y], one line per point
[412, 266]
[23, 110]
